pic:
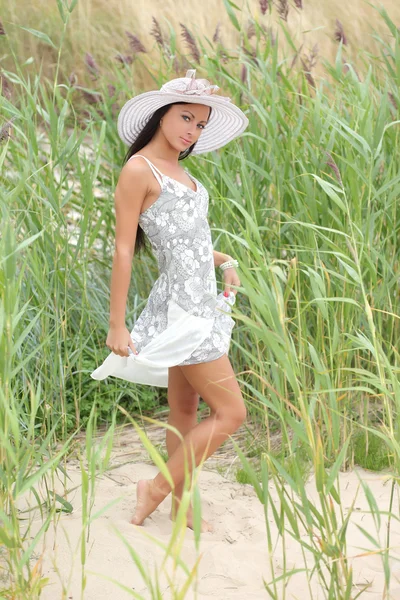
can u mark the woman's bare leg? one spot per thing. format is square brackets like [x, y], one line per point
[183, 401]
[216, 383]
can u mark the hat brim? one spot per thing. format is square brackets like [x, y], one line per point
[227, 120]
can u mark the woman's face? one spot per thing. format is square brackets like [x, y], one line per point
[182, 124]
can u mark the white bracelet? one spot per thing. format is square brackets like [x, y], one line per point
[229, 264]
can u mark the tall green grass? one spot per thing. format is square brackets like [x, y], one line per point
[306, 201]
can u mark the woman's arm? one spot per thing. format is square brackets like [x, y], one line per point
[130, 193]
[220, 257]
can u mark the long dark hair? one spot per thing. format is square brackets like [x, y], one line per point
[144, 137]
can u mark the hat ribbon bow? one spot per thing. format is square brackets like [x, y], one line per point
[199, 87]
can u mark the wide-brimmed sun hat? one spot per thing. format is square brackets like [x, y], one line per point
[227, 121]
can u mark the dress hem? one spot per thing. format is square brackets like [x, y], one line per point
[175, 344]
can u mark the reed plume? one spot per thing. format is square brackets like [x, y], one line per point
[264, 5]
[251, 30]
[5, 87]
[309, 63]
[312, 58]
[156, 33]
[339, 34]
[392, 100]
[176, 65]
[124, 59]
[331, 163]
[308, 75]
[5, 130]
[135, 43]
[73, 79]
[190, 41]
[92, 66]
[283, 9]
[252, 54]
[294, 61]
[90, 97]
[216, 37]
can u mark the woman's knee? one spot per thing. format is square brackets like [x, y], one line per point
[242, 414]
[238, 416]
[232, 416]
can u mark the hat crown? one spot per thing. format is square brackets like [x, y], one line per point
[189, 85]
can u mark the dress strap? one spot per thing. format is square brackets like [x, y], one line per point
[157, 174]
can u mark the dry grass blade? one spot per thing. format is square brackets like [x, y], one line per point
[269, 33]
[346, 69]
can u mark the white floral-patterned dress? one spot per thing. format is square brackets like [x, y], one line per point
[185, 321]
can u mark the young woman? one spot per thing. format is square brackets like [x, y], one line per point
[182, 337]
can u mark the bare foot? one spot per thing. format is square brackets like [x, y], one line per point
[148, 498]
[205, 526]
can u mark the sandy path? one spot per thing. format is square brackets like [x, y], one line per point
[234, 558]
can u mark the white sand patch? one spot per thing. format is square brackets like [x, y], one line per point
[234, 557]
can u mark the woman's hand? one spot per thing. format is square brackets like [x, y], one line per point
[118, 340]
[230, 278]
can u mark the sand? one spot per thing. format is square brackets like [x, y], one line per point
[233, 559]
